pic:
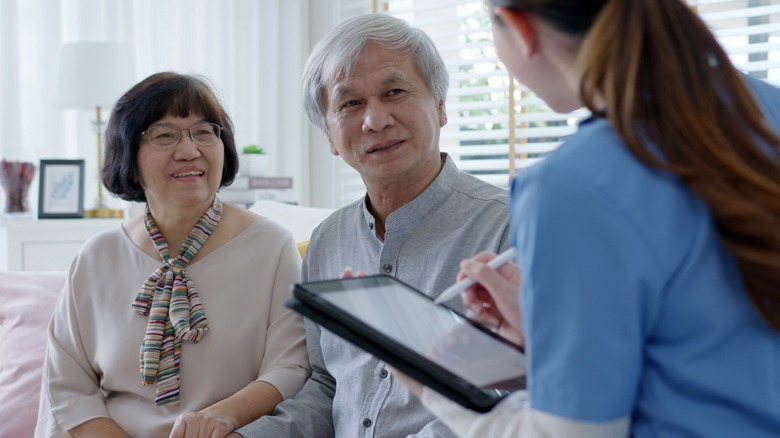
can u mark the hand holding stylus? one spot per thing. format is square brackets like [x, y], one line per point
[457, 288]
[494, 299]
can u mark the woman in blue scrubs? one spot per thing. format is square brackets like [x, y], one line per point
[649, 241]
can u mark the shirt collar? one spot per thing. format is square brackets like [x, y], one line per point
[416, 209]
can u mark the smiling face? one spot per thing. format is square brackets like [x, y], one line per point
[383, 121]
[183, 176]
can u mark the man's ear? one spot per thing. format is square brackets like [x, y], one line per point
[522, 28]
[333, 149]
[442, 114]
[326, 131]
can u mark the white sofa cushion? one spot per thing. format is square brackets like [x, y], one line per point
[301, 221]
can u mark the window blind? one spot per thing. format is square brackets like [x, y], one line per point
[749, 30]
[495, 124]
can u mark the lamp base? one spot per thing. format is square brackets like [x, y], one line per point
[104, 213]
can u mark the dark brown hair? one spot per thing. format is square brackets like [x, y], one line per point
[158, 96]
[661, 72]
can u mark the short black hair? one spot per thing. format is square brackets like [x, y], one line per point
[159, 95]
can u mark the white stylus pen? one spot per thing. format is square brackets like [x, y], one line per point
[460, 286]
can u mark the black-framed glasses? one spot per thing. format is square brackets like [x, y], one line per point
[168, 136]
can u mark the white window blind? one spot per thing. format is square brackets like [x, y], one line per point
[495, 124]
[749, 30]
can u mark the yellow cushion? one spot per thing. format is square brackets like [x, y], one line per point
[302, 247]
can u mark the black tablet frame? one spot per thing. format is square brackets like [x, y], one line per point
[307, 302]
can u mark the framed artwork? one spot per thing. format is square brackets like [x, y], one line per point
[61, 188]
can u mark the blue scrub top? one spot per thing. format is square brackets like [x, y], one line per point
[633, 307]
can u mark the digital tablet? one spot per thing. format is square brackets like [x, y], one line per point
[429, 342]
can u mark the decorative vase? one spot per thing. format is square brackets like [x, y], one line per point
[16, 177]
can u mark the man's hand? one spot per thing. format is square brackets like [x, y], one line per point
[347, 273]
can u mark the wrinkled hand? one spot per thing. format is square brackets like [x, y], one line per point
[202, 425]
[495, 298]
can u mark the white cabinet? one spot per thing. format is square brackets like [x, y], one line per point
[46, 244]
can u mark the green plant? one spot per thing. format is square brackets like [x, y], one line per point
[252, 149]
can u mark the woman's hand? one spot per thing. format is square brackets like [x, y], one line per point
[202, 425]
[495, 298]
[95, 427]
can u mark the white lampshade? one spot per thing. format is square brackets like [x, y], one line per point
[93, 74]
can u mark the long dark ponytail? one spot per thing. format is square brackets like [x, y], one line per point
[659, 70]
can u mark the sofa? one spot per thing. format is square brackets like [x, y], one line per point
[27, 301]
[26, 304]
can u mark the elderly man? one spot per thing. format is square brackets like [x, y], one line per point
[376, 87]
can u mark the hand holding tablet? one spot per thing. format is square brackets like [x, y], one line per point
[431, 343]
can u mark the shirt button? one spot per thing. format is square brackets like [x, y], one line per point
[388, 268]
[367, 422]
[370, 225]
[383, 373]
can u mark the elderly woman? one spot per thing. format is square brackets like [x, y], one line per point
[174, 323]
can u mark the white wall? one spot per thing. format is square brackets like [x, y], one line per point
[255, 51]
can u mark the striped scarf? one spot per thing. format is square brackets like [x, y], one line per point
[173, 306]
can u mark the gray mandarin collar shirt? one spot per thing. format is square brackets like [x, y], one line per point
[350, 393]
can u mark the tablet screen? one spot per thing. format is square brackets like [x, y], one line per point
[433, 331]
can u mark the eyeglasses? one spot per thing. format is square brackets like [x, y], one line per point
[167, 136]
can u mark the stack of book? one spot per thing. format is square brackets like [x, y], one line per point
[245, 190]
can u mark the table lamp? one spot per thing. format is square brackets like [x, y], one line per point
[94, 75]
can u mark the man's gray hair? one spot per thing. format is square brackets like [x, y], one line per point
[337, 54]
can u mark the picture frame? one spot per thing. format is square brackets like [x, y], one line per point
[61, 189]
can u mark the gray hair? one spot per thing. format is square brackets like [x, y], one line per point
[338, 51]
